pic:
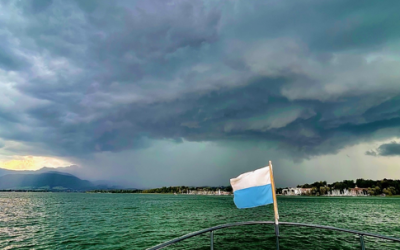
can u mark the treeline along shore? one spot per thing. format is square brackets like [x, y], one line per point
[223, 190]
[360, 187]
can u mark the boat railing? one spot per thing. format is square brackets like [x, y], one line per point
[212, 229]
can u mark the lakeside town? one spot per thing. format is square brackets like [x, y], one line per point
[360, 187]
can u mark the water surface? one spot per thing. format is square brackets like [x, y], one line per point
[138, 221]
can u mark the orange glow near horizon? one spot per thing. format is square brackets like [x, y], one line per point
[33, 163]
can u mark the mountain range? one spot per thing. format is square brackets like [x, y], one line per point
[48, 179]
[73, 170]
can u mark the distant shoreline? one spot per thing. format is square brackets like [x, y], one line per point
[343, 196]
[286, 196]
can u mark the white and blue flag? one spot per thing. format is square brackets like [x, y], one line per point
[253, 189]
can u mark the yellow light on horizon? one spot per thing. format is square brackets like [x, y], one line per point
[33, 163]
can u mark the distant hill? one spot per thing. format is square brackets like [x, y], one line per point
[48, 180]
[73, 170]
[6, 171]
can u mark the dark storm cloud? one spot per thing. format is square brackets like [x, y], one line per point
[387, 149]
[89, 76]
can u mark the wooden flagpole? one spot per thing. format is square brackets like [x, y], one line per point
[273, 193]
[275, 205]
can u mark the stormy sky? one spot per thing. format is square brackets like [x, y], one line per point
[153, 93]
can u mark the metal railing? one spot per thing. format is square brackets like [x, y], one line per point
[212, 229]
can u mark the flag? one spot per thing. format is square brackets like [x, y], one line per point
[253, 189]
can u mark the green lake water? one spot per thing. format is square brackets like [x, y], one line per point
[139, 221]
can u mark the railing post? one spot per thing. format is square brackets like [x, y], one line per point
[277, 235]
[212, 240]
[362, 242]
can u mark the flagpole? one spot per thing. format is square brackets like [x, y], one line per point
[275, 205]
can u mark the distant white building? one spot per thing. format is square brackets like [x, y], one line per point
[296, 191]
[352, 192]
[358, 191]
[203, 192]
